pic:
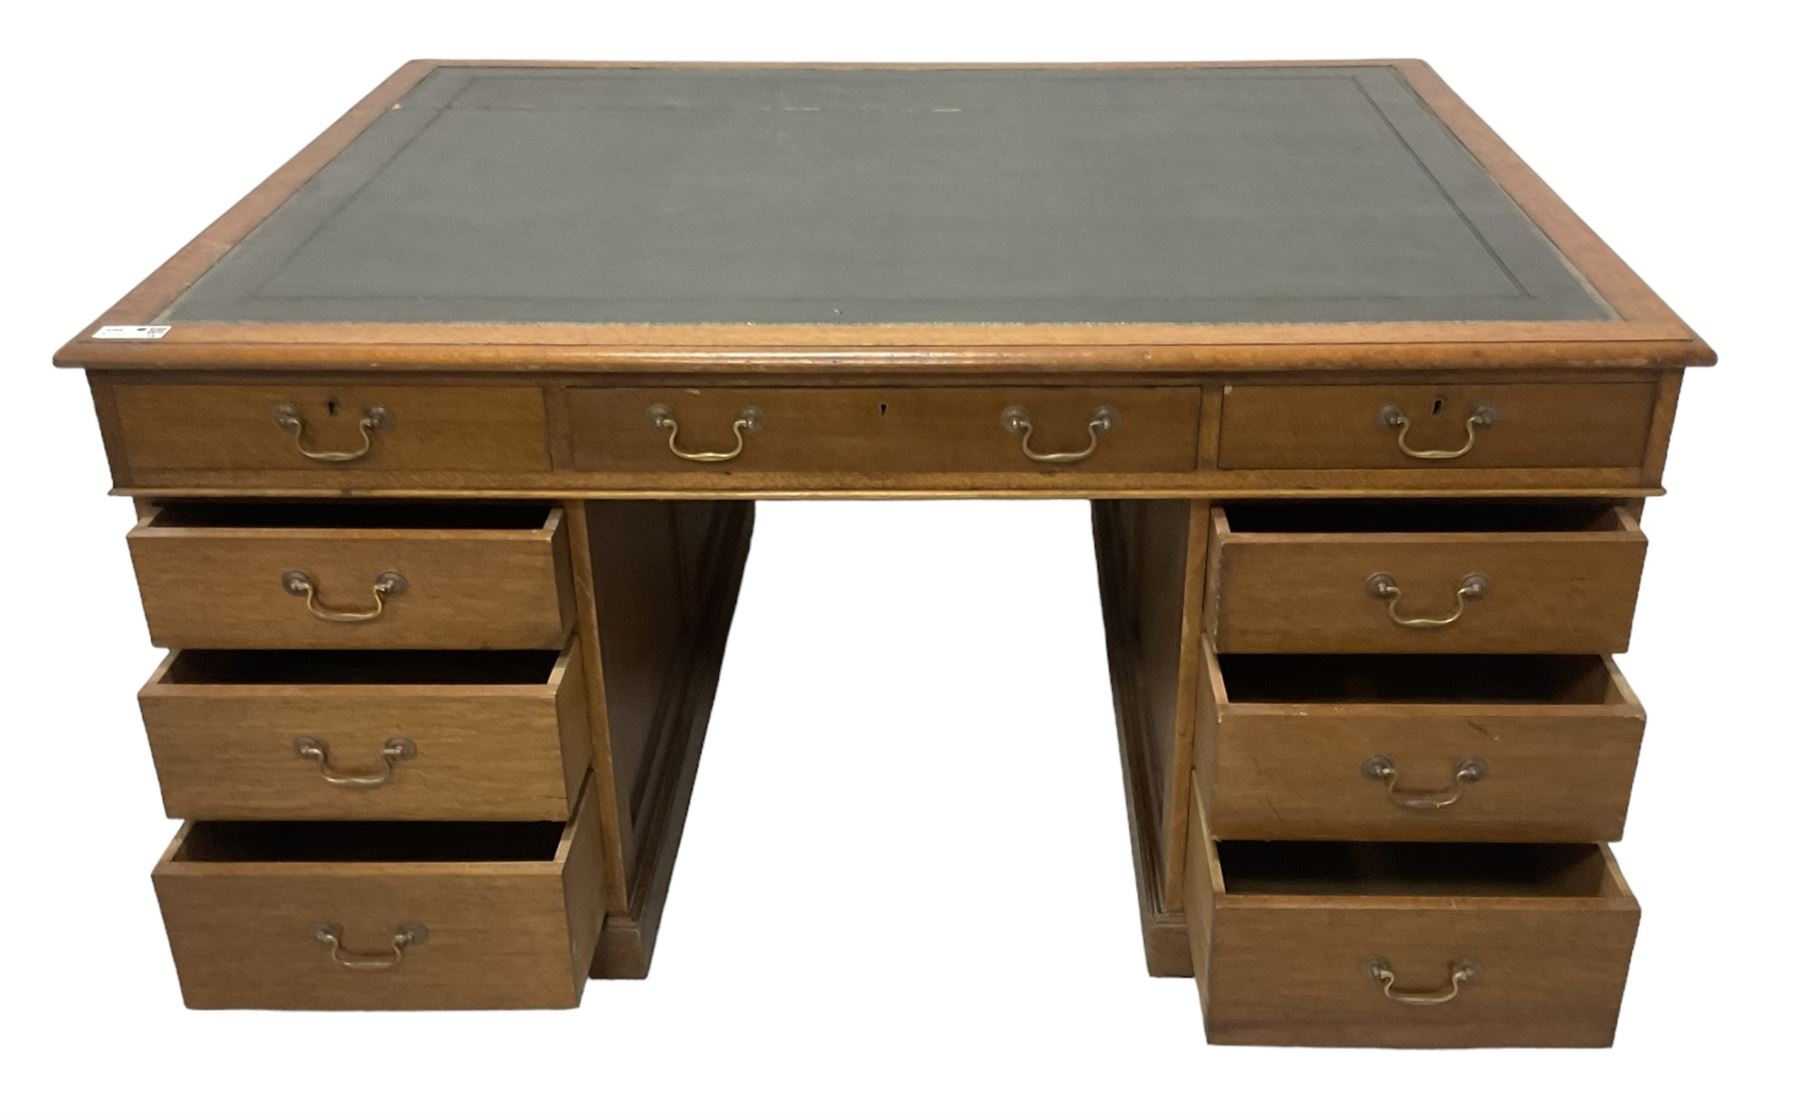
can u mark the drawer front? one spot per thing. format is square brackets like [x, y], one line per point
[1307, 968]
[1462, 425]
[245, 934]
[1424, 593]
[327, 429]
[1548, 977]
[251, 588]
[459, 750]
[875, 431]
[1394, 771]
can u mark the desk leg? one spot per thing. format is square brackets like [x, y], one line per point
[1150, 555]
[665, 579]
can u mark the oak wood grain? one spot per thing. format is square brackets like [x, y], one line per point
[502, 934]
[488, 750]
[715, 570]
[232, 428]
[1548, 592]
[855, 432]
[1549, 425]
[1290, 968]
[1144, 654]
[1554, 771]
[220, 587]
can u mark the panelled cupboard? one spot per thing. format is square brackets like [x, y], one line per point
[446, 441]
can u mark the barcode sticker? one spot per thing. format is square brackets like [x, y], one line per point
[131, 332]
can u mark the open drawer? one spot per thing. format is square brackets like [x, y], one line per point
[1395, 746]
[1407, 944]
[362, 734]
[374, 915]
[354, 575]
[1422, 577]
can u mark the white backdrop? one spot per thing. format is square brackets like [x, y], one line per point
[905, 881]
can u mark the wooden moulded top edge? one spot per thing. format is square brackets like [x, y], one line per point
[1645, 333]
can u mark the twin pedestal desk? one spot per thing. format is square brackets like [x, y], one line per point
[446, 442]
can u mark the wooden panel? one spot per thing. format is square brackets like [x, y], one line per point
[232, 428]
[643, 613]
[885, 431]
[1567, 425]
[1292, 968]
[716, 567]
[1552, 771]
[1145, 570]
[502, 934]
[483, 749]
[207, 586]
[1547, 592]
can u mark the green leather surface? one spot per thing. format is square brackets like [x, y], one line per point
[811, 195]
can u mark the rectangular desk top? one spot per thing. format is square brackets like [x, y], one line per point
[591, 217]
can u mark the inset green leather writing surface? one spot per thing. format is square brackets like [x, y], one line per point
[799, 195]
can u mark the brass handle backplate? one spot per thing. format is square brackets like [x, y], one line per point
[398, 749]
[1466, 771]
[749, 422]
[1017, 421]
[1381, 585]
[1483, 416]
[404, 935]
[287, 416]
[387, 585]
[1462, 972]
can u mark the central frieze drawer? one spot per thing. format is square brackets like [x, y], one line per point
[876, 431]
[1425, 577]
[353, 734]
[354, 575]
[383, 915]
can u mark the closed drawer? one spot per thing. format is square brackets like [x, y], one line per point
[352, 575]
[1407, 944]
[328, 429]
[876, 431]
[1403, 747]
[369, 915]
[354, 734]
[1465, 425]
[1423, 577]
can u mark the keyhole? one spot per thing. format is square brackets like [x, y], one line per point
[883, 409]
[331, 406]
[1437, 406]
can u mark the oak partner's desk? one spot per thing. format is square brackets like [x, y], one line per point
[445, 440]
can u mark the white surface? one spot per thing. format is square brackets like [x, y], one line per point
[914, 713]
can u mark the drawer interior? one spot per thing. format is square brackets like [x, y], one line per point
[342, 514]
[1415, 869]
[532, 667]
[1419, 516]
[368, 841]
[1400, 678]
